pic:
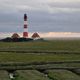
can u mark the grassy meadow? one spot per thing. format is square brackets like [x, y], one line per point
[53, 45]
[58, 54]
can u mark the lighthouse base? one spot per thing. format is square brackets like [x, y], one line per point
[25, 34]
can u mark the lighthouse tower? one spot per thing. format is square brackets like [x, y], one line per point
[25, 33]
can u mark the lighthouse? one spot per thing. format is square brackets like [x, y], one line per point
[25, 32]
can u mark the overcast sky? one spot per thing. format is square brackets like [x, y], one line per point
[43, 15]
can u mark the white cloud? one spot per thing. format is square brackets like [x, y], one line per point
[64, 1]
[50, 6]
[59, 34]
[46, 35]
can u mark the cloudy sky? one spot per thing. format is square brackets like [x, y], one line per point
[43, 15]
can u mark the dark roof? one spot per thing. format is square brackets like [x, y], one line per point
[35, 35]
[15, 35]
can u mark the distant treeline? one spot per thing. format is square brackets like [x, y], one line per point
[8, 39]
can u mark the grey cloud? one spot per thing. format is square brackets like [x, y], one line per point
[40, 19]
[40, 22]
[65, 5]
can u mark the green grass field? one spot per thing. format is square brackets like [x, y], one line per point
[47, 54]
[55, 45]
[62, 75]
[4, 75]
[30, 75]
[23, 57]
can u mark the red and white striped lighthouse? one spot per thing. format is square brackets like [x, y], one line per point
[25, 33]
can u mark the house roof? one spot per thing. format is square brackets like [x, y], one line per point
[15, 35]
[35, 35]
